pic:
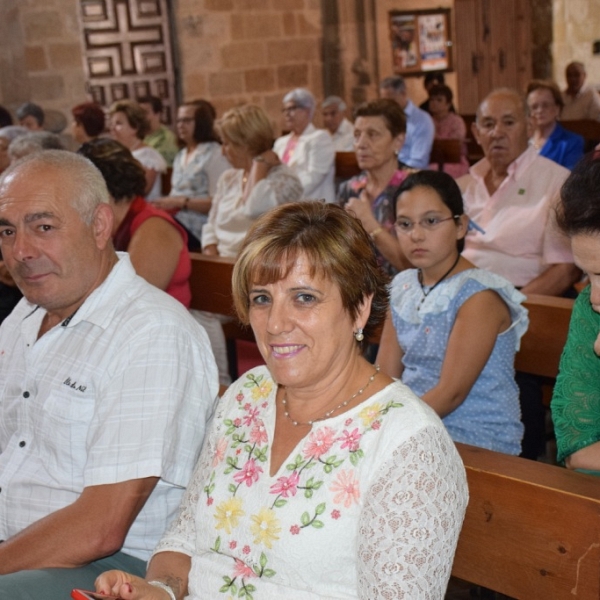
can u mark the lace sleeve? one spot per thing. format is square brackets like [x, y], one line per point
[411, 520]
[181, 534]
[279, 187]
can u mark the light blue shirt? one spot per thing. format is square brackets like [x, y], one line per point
[420, 132]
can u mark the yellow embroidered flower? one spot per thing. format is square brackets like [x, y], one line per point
[263, 390]
[228, 514]
[265, 527]
[370, 413]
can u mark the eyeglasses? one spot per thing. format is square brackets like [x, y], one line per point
[289, 109]
[427, 223]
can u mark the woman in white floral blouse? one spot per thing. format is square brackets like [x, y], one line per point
[321, 476]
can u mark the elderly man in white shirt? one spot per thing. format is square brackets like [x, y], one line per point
[333, 111]
[308, 151]
[106, 385]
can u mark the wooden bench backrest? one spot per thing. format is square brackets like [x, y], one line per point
[587, 128]
[474, 151]
[445, 151]
[543, 343]
[346, 165]
[531, 530]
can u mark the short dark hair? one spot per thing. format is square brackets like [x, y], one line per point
[443, 185]
[91, 117]
[29, 109]
[5, 117]
[388, 110]
[204, 118]
[578, 211]
[432, 76]
[124, 176]
[154, 101]
[135, 115]
[442, 90]
[335, 244]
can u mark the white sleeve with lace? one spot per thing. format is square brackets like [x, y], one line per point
[181, 534]
[411, 520]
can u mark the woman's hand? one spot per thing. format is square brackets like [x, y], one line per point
[210, 250]
[361, 207]
[128, 587]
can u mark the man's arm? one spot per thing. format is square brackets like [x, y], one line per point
[94, 526]
[554, 281]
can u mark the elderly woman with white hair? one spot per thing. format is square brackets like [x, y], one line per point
[307, 150]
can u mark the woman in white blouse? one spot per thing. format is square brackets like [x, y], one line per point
[196, 168]
[307, 150]
[321, 477]
[129, 126]
[257, 182]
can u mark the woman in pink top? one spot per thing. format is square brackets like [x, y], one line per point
[448, 126]
[156, 243]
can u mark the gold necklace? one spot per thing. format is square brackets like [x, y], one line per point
[329, 412]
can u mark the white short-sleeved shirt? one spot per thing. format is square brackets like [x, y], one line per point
[122, 391]
[150, 158]
[521, 238]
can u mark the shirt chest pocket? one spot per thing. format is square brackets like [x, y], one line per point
[69, 406]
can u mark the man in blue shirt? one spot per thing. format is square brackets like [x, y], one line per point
[420, 129]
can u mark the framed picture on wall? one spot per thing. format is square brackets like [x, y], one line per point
[420, 41]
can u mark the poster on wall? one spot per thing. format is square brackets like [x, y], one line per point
[420, 41]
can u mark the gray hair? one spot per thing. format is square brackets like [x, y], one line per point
[334, 101]
[83, 181]
[11, 132]
[34, 141]
[396, 82]
[302, 98]
[29, 109]
[520, 100]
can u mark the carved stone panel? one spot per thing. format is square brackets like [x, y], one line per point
[127, 51]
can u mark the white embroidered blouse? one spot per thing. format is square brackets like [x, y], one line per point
[369, 505]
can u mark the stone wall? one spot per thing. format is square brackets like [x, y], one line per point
[40, 50]
[237, 51]
[576, 27]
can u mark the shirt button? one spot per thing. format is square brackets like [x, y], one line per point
[22, 444]
[26, 394]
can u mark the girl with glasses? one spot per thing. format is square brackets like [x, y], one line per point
[452, 330]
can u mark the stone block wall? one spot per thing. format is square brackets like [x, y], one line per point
[237, 51]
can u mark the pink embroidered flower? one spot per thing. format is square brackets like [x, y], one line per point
[376, 425]
[219, 452]
[209, 500]
[239, 397]
[294, 530]
[246, 549]
[238, 451]
[247, 406]
[358, 183]
[319, 442]
[237, 422]
[233, 545]
[243, 570]
[258, 433]
[335, 514]
[251, 416]
[346, 488]
[265, 404]
[286, 486]
[347, 422]
[350, 440]
[249, 474]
